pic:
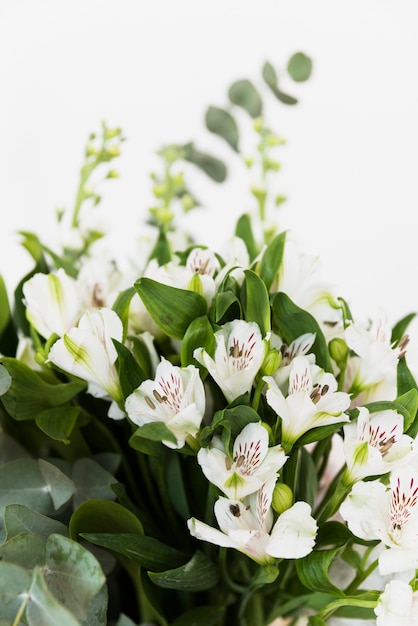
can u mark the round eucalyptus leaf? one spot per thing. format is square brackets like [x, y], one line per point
[222, 123]
[43, 608]
[25, 549]
[14, 580]
[244, 94]
[299, 67]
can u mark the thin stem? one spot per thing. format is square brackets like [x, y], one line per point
[360, 577]
[233, 586]
[257, 394]
[21, 609]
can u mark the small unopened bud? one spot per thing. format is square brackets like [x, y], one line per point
[338, 350]
[188, 202]
[271, 362]
[279, 200]
[91, 150]
[112, 132]
[249, 161]
[282, 498]
[113, 151]
[195, 284]
[112, 174]
[258, 124]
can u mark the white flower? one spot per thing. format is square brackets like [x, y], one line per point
[313, 400]
[98, 282]
[87, 351]
[373, 370]
[374, 511]
[293, 535]
[397, 605]
[239, 354]
[299, 347]
[246, 525]
[176, 397]
[52, 303]
[253, 462]
[375, 444]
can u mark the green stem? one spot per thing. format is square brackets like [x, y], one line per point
[21, 610]
[360, 577]
[343, 602]
[334, 496]
[257, 394]
[232, 585]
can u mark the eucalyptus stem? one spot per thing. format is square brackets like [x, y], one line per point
[21, 610]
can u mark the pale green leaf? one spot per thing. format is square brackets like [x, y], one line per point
[43, 608]
[299, 66]
[19, 518]
[91, 482]
[60, 487]
[222, 123]
[198, 574]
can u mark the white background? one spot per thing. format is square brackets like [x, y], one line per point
[350, 164]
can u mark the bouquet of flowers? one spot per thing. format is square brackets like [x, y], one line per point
[201, 437]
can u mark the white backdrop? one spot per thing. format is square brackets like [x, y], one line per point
[350, 165]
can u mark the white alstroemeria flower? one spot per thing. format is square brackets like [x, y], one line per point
[87, 351]
[98, 282]
[374, 511]
[293, 535]
[298, 347]
[176, 397]
[375, 444]
[253, 462]
[237, 260]
[52, 303]
[245, 526]
[312, 400]
[239, 354]
[373, 370]
[397, 605]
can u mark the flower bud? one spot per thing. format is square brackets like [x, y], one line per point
[195, 284]
[282, 498]
[258, 124]
[338, 350]
[187, 202]
[271, 362]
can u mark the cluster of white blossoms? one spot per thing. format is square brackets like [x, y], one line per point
[74, 315]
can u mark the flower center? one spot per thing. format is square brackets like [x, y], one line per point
[171, 394]
[378, 437]
[402, 504]
[248, 457]
[241, 355]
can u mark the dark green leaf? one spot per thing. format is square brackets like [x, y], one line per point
[333, 534]
[299, 67]
[161, 251]
[144, 445]
[58, 422]
[8, 337]
[399, 330]
[121, 306]
[244, 231]
[156, 431]
[29, 394]
[201, 616]
[257, 303]
[272, 259]
[307, 485]
[319, 433]
[244, 94]
[103, 516]
[222, 123]
[213, 167]
[92, 482]
[172, 309]
[148, 552]
[198, 574]
[130, 372]
[292, 322]
[270, 78]
[313, 571]
[199, 335]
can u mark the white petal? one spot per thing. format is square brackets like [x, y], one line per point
[203, 531]
[293, 535]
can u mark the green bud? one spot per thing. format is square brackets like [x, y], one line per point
[282, 498]
[110, 133]
[91, 150]
[112, 174]
[259, 193]
[187, 202]
[338, 350]
[159, 190]
[271, 362]
[273, 140]
[279, 200]
[195, 284]
[258, 124]
[113, 151]
[249, 161]
[272, 165]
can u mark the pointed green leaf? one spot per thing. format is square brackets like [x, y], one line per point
[161, 251]
[58, 422]
[142, 356]
[201, 616]
[307, 483]
[244, 231]
[272, 259]
[19, 518]
[129, 370]
[291, 322]
[121, 306]
[213, 167]
[313, 571]
[198, 574]
[257, 303]
[199, 335]
[299, 67]
[172, 309]
[145, 445]
[409, 401]
[400, 328]
[222, 123]
[156, 431]
[270, 78]
[29, 394]
[8, 336]
[244, 94]
[59, 486]
[148, 552]
[73, 574]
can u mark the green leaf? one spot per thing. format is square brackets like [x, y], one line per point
[8, 337]
[198, 574]
[199, 335]
[161, 251]
[103, 516]
[213, 167]
[125, 621]
[58, 422]
[222, 123]
[156, 431]
[333, 533]
[409, 401]
[313, 571]
[228, 423]
[14, 580]
[299, 67]
[10, 450]
[399, 330]
[5, 380]
[29, 394]
[257, 303]
[130, 372]
[73, 574]
[270, 78]
[144, 445]
[172, 309]
[22, 482]
[272, 259]
[148, 552]
[244, 94]
[142, 356]
[201, 616]
[307, 484]
[292, 322]
[319, 433]
[59, 486]
[244, 231]
[226, 307]
[43, 608]
[91, 481]
[121, 306]
[26, 550]
[19, 518]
